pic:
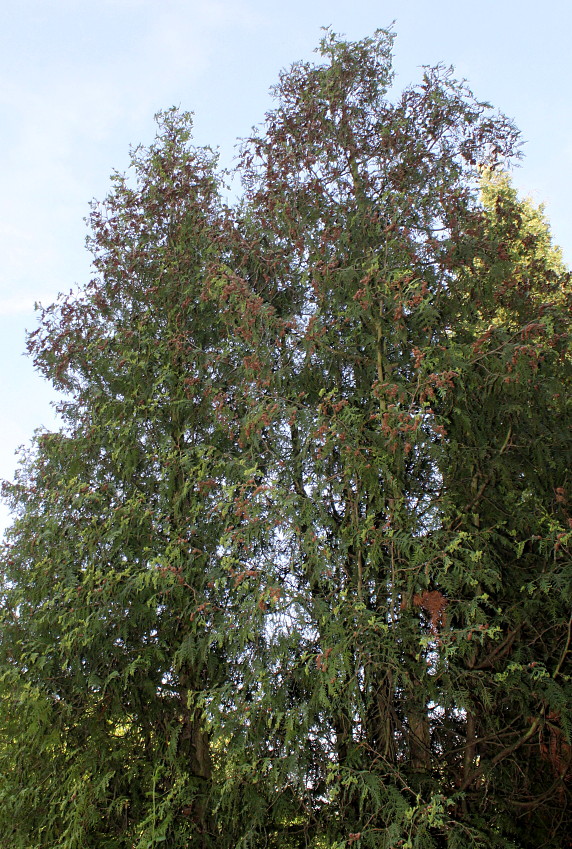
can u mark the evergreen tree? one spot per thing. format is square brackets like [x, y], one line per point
[296, 569]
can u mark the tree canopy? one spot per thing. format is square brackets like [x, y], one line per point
[295, 571]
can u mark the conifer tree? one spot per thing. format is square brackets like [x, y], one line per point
[296, 570]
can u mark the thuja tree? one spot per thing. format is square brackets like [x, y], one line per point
[116, 610]
[296, 570]
[428, 449]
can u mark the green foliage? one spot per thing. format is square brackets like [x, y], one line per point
[296, 570]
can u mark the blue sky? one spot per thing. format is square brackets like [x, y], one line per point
[80, 80]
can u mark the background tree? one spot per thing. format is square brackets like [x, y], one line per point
[296, 570]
